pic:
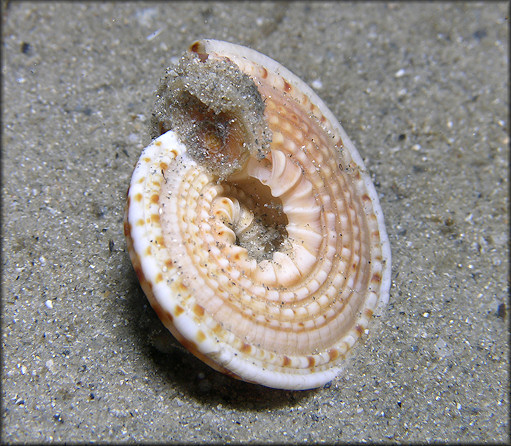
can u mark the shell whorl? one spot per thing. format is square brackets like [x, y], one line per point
[266, 261]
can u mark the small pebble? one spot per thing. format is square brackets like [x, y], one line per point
[317, 84]
[400, 73]
[25, 48]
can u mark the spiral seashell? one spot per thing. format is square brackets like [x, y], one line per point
[252, 223]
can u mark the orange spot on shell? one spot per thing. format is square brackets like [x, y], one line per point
[155, 198]
[198, 49]
[286, 362]
[311, 360]
[127, 229]
[246, 348]
[159, 278]
[148, 251]
[155, 218]
[376, 278]
[359, 329]
[178, 310]
[164, 166]
[198, 310]
[201, 337]
[138, 197]
[140, 222]
[287, 87]
[333, 354]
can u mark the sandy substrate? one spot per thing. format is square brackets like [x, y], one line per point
[422, 90]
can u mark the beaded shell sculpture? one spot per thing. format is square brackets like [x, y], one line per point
[252, 223]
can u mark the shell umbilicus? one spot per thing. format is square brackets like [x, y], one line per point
[251, 222]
